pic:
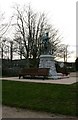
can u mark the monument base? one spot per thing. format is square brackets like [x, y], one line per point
[47, 61]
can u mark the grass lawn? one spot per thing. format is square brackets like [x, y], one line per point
[54, 98]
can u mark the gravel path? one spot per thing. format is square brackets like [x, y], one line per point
[11, 112]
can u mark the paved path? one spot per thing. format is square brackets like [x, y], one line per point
[69, 80]
[12, 112]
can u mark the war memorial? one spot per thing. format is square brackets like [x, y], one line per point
[46, 67]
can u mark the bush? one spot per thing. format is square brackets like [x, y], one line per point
[10, 72]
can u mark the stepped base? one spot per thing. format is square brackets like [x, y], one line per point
[47, 61]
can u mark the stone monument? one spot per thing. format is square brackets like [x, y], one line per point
[47, 60]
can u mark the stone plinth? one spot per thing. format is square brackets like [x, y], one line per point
[47, 61]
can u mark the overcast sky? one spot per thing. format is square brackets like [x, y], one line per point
[61, 13]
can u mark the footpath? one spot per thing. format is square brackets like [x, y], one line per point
[69, 80]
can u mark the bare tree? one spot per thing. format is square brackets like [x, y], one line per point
[4, 26]
[30, 28]
[63, 52]
[4, 48]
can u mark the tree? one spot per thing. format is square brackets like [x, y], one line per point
[4, 48]
[30, 29]
[63, 52]
[3, 30]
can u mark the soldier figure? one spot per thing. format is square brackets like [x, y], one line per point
[46, 44]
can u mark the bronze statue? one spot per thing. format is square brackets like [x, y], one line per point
[46, 43]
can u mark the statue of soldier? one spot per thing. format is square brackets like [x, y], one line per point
[46, 44]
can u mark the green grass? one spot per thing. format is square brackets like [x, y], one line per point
[52, 98]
